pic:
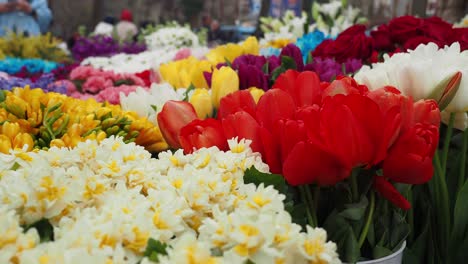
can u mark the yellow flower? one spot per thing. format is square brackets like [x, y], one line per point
[279, 43]
[5, 144]
[10, 129]
[250, 46]
[23, 139]
[182, 73]
[201, 101]
[223, 82]
[256, 93]
[231, 51]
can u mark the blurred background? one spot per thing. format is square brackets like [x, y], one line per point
[68, 15]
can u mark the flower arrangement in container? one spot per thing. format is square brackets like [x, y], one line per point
[344, 151]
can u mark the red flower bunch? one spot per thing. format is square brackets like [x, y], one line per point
[315, 132]
[353, 43]
[407, 32]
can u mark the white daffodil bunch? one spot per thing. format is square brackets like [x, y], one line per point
[148, 103]
[334, 17]
[426, 72]
[105, 201]
[287, 27]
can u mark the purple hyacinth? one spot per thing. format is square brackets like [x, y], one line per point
[328, 69]
[100, 45]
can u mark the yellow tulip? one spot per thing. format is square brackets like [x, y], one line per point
[256, 93]
[250, 46]
[23, 139]
[201, 101]
[5, 144]
[223, 82]
[10, 129]
[182, 73]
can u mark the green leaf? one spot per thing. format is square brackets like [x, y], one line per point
[265, 68]
[154, 107]
[44, 228]
[277, 72]
[252, 175]
[288, 63]
[2, 96]
[189, 89]
[228, 63]
[355, 211]
[352, 247]
[380, 252]
[154, 249]
[310, 59]
[460, 226]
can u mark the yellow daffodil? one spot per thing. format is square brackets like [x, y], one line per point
[201, 101]
[223, 82]
[182, 73]
[256, 93]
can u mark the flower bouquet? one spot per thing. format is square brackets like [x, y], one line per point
[171, 35]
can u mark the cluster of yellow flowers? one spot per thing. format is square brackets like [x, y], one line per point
[41, 120]
[44, 47]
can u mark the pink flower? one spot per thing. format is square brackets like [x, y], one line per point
[83, 72]
[112, 94]
[182, 54]
[95, 84]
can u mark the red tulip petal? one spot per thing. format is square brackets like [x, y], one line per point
[240, 100]
[273, 105]
[242, 125]
[270, 150]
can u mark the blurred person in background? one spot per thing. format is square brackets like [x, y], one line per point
[31, 17]
[126, 29]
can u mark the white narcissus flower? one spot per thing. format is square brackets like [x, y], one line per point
[106, 200]
[170, 37]
[424, 73]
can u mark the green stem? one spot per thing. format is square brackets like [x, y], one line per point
[411, 216]
[448, 137]
[312, 205]
[443, 207]
[461, 176]
[354, 186]
[370, 215]
[303, 191]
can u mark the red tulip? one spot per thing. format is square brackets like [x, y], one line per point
[389, 192]
[344, 85]
[303, 87]
[307, 163]
[237, 101]
[410, 158]
[174, 116]
[242, 125]
[426, 111]
[288, 133]
[202, 134]
[273, 105]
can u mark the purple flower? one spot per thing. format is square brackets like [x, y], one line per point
[257, 61]
[328, 69]
[208, 75]
[250, 71]
[103, 46]
[294, 52]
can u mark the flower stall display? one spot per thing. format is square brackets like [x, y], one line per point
[197, 208]
[31, 118]
[32, 66]
[44, 47]
[334, 17]
[103, 46]
[46, 82]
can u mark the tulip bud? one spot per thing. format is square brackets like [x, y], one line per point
[224, 81]
[10, 129]
[5, 144]
[23, 139]
[256, 93]
[250, 46]
[201, 101]
[174, 116]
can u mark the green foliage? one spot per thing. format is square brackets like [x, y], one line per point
[154, 249]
